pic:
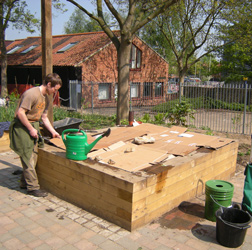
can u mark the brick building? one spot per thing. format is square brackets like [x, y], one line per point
[90, 59]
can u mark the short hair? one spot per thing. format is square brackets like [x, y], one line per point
[54, 79]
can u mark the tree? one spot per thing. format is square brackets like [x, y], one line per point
[158, 42]
[195, 28]
[78, 23]
[139, 13]
[15, 12]
[236, 62]
[237, 55]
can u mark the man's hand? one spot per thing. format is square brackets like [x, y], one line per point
[56, 135]
[23, 118]
[34, 133]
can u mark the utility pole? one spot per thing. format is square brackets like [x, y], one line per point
[46, 32]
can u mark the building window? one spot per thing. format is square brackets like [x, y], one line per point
[29, 49]
[159, 89]
[147, 89]
[67, 47]
[14, 49]
[135, 57]
[104, 91]
[135, 90]
[116, 91]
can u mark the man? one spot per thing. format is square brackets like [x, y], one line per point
[24, 130]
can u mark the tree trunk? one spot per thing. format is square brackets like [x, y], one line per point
[3, 56]
[182, 72]
[123, 79]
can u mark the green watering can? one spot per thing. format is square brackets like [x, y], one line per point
[76, 144]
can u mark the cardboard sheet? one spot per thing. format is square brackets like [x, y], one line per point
[218, 143]
[186, 142]
[130, 157]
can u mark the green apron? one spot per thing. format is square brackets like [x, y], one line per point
[247, 191]
[20, 140]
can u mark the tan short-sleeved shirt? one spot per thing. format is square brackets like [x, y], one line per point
[34, 102]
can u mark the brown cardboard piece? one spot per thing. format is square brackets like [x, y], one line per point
[129, 156]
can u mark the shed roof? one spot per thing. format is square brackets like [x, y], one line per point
[85, 44]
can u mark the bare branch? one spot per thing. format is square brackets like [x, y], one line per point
[100, 20]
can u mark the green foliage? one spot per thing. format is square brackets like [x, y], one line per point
[178, 114]
[208, 130]
[158, 42]
[160, 118]
[236, 63]
[202, 102]
[78, 23]
[240, 154]
[124, 122]
[7, 113]
[20, 17]
[84, 103]
[146, 118]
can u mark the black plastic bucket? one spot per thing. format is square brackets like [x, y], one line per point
[231, 226]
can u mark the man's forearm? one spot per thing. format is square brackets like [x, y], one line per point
[48, 125]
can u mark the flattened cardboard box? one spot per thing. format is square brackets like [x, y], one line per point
[129, 156]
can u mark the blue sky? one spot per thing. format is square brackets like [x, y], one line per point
[58, 19]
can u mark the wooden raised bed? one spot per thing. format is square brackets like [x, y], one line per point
[133, 199]
[5, 142]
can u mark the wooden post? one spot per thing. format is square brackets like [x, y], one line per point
[46, 31]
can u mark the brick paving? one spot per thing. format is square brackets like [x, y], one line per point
[27, 222]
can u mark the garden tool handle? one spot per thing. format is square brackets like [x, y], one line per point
[106, 133]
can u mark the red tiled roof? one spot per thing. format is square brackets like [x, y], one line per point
[87, 44]
[8, 42]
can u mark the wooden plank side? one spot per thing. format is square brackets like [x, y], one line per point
[161, 210]
[82, 198]
[168, 206]
[85, 179]
[5, 142]
[83, 188]
[4, 147]
[104, 212]
[177, 189]
[196, 162]
[199, 171]
[123, 179]
[189, 179]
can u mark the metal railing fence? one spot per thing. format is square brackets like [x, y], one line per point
[224, 108]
